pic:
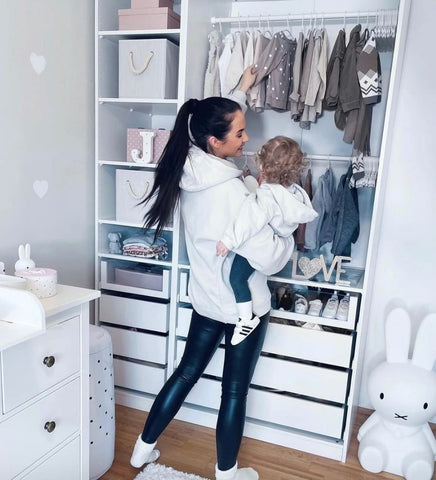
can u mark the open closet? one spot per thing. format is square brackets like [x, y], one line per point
[307, 381]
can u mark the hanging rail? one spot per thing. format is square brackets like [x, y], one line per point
[306, 16]
[333, 158]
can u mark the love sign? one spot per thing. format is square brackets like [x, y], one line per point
[310, 267]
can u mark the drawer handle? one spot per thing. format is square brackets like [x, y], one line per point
[49, 426]
[49, 361]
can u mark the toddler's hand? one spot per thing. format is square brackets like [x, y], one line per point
[221, 249]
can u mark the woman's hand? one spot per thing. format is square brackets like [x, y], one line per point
[247, 80]
[221, 249]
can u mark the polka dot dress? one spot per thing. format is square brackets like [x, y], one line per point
[101, 402]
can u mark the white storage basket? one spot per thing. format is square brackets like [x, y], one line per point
[148, 68]
[132, 186]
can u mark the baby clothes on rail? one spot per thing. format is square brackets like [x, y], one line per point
[235, 67]
[322, 203]
[294, 95]
[224, 60]
[333, 72]
[256, 95]
[212, 86]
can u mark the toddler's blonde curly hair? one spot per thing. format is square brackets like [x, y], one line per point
[281, 161]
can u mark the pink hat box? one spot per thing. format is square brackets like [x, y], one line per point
[147, 19]
[135, 4]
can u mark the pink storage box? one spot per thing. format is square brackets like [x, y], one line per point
[137, 145]
[139, 277]
[135, 4]
[147, 19]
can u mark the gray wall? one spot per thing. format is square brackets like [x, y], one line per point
[46, 135]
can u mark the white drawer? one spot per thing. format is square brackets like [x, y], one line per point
[183, 287]
[24, 438]
[25, 374]
[288, 376]
[138, 345]
[303, 343]
[134, 313]
[183, 321]
[313, 345]
[279, 409]
[144, 378]
[66, 460]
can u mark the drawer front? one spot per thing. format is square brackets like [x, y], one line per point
[66, 460]
[23, 438]
[138, 345]
[284, 375]
[25, 374]
[131, 312]
[303, 343]
[313, 345]
[143, 378]
[282, 410]
[183, 321]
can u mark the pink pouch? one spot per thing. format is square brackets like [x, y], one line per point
[146, 145]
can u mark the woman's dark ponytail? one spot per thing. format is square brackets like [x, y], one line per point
[210, 117]
[165, 193]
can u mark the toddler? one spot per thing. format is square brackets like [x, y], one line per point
[279, 202]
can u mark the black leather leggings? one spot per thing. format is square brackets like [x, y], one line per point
[240, 360]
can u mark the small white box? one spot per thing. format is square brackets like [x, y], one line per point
[148, 68]
[132, 187]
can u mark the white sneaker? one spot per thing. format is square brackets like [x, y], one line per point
[315, 307]
[331, 307]
[243, 328]
[344, 305]
[143, 453]
[300, 304]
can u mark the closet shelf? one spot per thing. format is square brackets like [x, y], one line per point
[124, 224]
[128, 258]
[152, 106]
[121, 163]
[115, 35]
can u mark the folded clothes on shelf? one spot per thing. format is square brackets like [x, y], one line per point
[146, 246]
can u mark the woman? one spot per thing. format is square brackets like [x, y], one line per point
[194, 171]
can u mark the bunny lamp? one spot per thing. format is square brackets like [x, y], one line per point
[24, 261]
[2, 268]
[397, 438]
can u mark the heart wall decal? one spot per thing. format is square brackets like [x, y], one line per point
[40, 187]
[38, 63]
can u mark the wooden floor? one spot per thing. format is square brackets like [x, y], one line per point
[191, 448]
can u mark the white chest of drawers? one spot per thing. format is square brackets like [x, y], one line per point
[44, 404]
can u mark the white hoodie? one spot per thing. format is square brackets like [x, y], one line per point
[212, 195]
[282, 208]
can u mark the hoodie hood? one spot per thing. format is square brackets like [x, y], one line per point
[203, 170]
[295, 208]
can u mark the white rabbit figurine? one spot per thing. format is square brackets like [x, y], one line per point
[397, 438]
[24, 261]
[2, 268]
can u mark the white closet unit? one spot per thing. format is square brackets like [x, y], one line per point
[307, 381]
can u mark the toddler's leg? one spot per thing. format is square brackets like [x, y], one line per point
[239, 274]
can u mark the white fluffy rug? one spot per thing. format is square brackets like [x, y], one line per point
[155, 471]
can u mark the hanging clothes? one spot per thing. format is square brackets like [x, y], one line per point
[305, 73]
[224, 60]
[275, 64]
[316, 84]
[212, 85]
[300, 233]
[347, 225]
[322, 203]
[256, 95]
[294, 95]
[235, 67]
[333, 72]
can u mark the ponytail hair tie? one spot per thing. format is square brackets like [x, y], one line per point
[193, 105]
